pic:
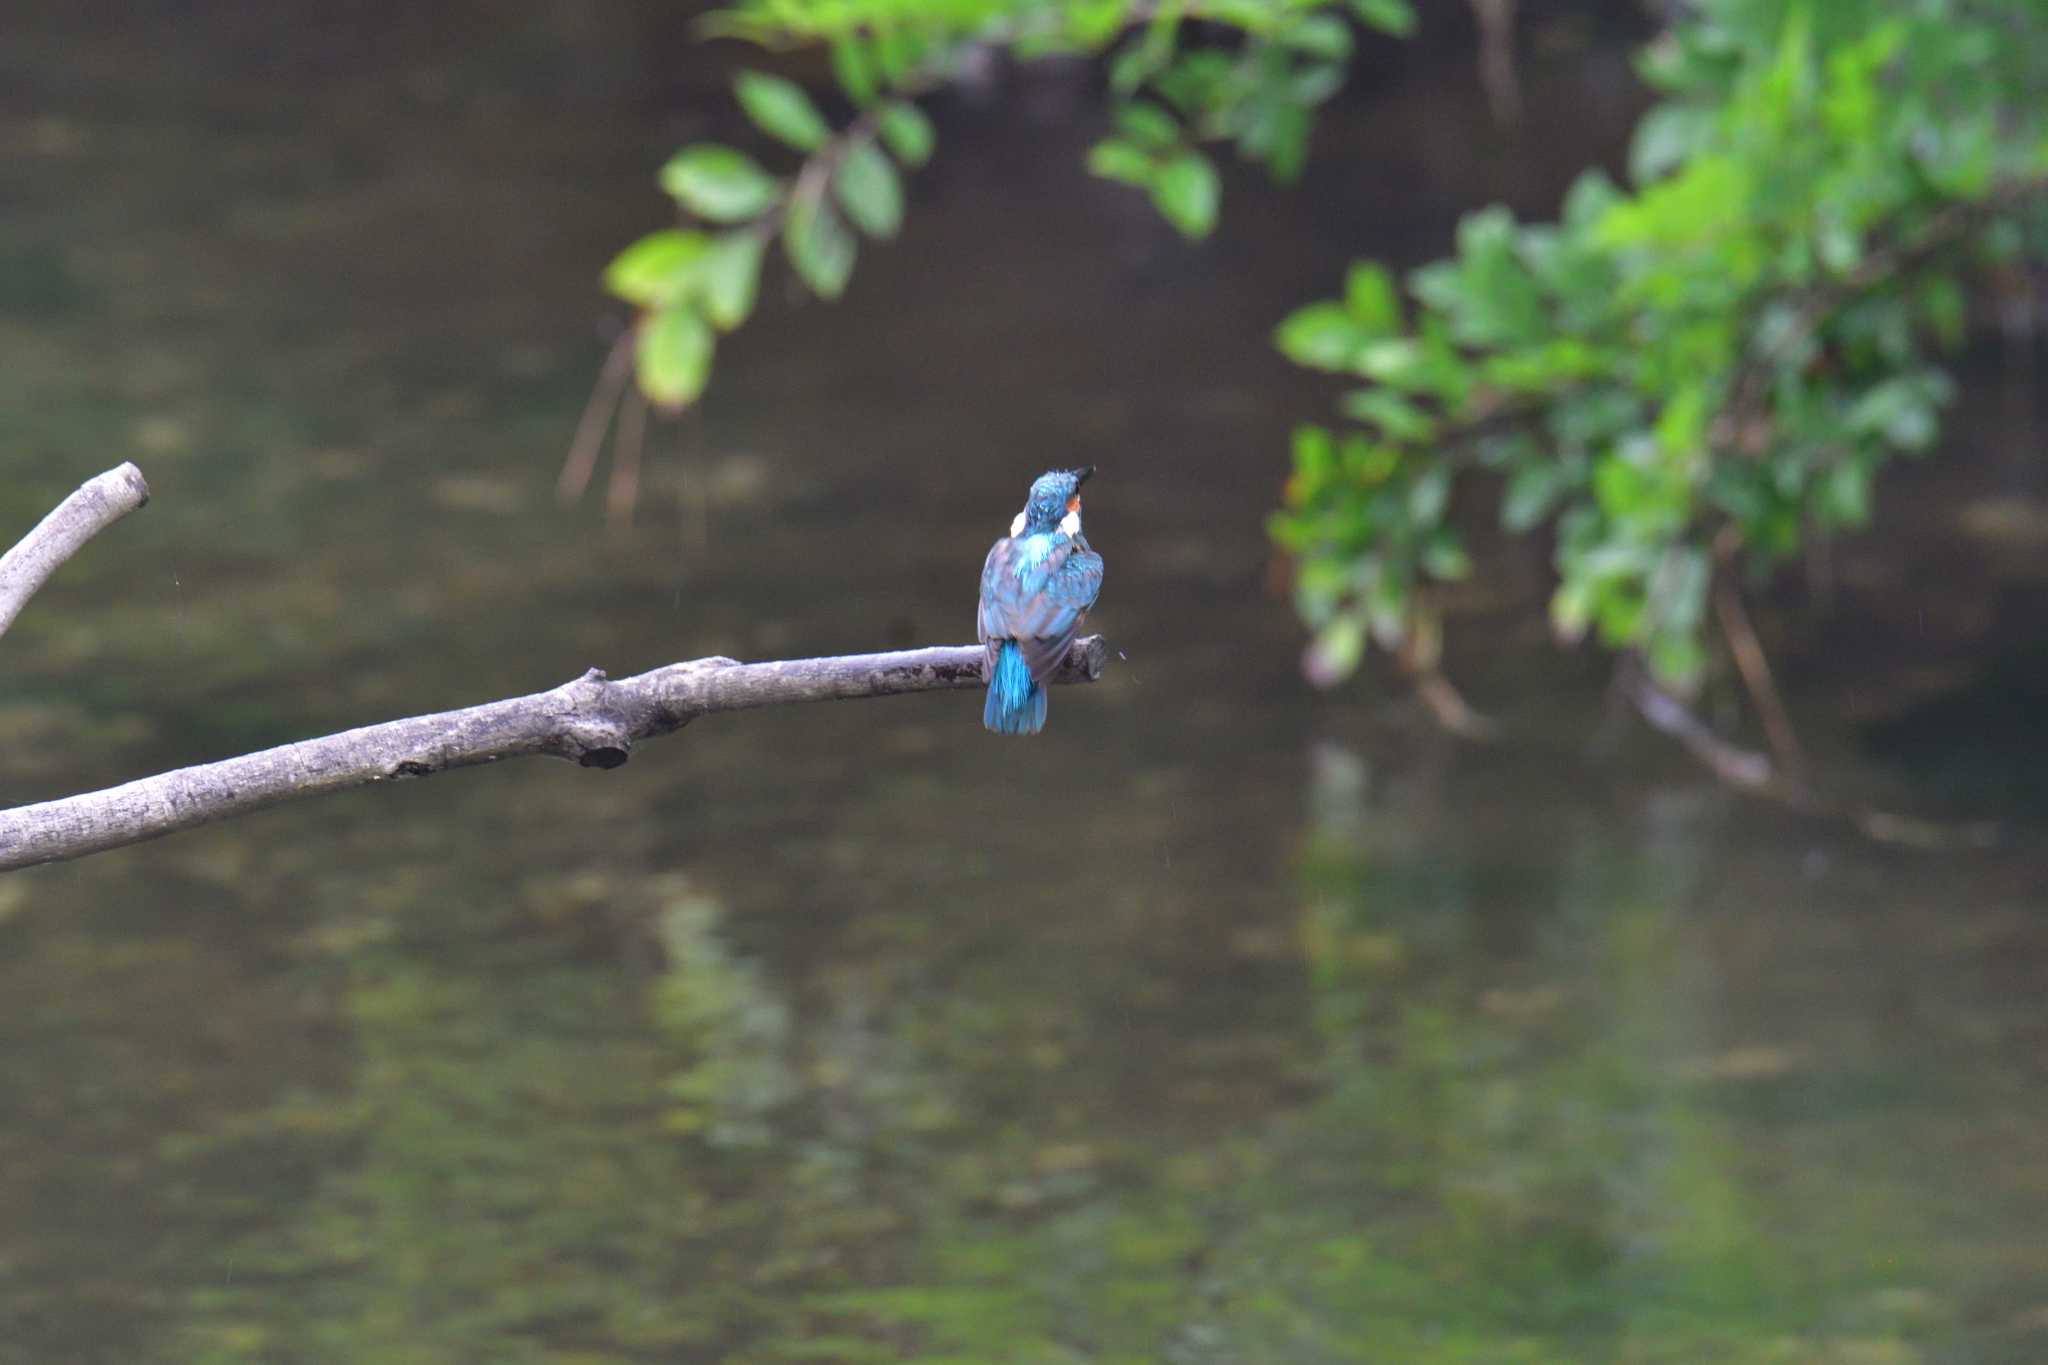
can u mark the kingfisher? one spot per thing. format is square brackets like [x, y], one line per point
[1037, 585]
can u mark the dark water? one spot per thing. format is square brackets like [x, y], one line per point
[1227, 1022]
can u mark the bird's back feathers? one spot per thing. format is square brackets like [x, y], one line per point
[1036, 589]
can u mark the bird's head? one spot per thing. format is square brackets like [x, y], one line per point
[1055, 502]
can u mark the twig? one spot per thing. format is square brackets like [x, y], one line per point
[594, 721]
[1744, 769]
[1752, 662]
[1751, 772]
[812, 184]
[98, 504]
[1420, 657]
[581, 462]
[1450, 708]
[1497, 60]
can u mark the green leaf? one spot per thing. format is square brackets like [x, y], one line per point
[1370, 299]
[1319, 35]
[718, 183]
[897, 51]
[1186, 192]
[1315, 453]
[907, 132]
[1335, 653]
[730, 274]
[1682, 426]
[1945, 308]
[1148, 125]
[1843, 494]
[1387, 607]
[1680, 586]
[1571, 609]
[1667, 136]
[1396, 360]
[1322, 336]
[1399, 418]
[869, 190]
[1123, 161]
[1901, 410]
[659, 268]
[1393, 16]
[1149, 55]
[1531, 494]
[1488, 294]
[782, 110]
[854, 64]
[819, 247]
[1444, 557]
[1198, 81]
[1131, 68]
[1093, 23]
[673, 356]
[1430, 494]
[1678, 659]
[1837, 244]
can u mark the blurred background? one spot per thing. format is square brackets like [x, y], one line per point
[1229, 1020]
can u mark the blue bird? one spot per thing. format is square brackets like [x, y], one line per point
[1036, 587]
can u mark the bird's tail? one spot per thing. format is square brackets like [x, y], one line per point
[1015, 705]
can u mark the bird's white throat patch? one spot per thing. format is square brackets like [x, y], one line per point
[1070, 524]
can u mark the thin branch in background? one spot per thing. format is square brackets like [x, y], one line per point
[581, 461]
[97, 504]
[1751, 772]
[1497, 74]
[1744, 769]
[624, 489]
[1753, 663]
[1450, 708]
[1420, 658]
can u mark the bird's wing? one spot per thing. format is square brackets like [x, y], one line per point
[1079, 581]
[989, 626]
[1052, 618]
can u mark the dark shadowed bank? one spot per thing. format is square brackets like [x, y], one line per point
[1222, 1022]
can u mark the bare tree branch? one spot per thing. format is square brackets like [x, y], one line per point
[1497, 60]
[98, 504]
[1751, 660]
[594, 720]
[1752, 772]
[1744, 769]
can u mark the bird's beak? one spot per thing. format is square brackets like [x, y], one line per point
[1081, 475]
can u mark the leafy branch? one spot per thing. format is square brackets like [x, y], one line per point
[1685, 381]
[692, 283]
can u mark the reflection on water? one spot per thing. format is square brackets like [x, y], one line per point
[1224, 1023]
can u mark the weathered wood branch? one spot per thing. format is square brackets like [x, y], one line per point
[98, 504]
[594, 721]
